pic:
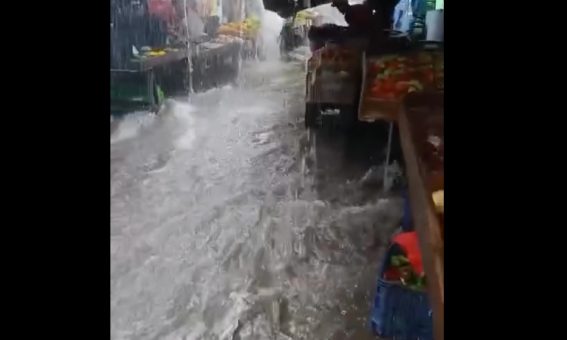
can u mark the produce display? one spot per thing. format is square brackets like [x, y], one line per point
[245, 29]
[304, 18]
[147, 52]
[400, 270]
[225, 39]
[391, 77]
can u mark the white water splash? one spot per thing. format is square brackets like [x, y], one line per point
[130, 126]
[272, 25]
[183, 113]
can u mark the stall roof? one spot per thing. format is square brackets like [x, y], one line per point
[326, 14]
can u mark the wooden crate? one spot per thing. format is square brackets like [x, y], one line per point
[372, 109]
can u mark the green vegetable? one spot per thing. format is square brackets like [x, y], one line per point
[399, 261]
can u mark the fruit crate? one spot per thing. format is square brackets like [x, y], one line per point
[399, 312]
[383, 89]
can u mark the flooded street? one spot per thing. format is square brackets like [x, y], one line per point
[229, 220]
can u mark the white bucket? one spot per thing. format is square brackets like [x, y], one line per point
[434, 24]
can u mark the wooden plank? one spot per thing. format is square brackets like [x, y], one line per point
[423, 212]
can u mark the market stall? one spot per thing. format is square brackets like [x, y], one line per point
[152, 74]
[184, 58]
[243, 19]
[294, 32]
[135, 84]
[215, 62]
[248, 31]
[400, 82]
[388, 77]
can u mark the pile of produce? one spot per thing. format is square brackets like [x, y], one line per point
[391, 77]
[304, 17]
[148, 52]
[401, 270]
[245, 29]
[226, 39]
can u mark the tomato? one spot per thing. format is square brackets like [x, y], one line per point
[429, 77]
[404, 77]
[374, 68]
[388, 85]
[402, 86]
[376, 90]
[392, 274]
[389, 95]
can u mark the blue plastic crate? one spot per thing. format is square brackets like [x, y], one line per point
[400, 313]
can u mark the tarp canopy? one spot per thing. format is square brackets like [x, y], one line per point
[326, 14]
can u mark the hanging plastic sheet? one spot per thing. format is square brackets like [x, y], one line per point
[405, 13]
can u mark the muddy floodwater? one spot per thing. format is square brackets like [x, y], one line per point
[229, 220]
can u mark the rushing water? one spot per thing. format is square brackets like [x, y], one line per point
[230, 221]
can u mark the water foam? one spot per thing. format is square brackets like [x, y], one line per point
[130, 126]
[183, 113]
[272, 25]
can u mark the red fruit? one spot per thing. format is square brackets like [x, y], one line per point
[388, 85]
[389, 95]
[402, 87]
[374, 68]
[375, 91]
[429, 77]
[392, 274]
[404, 77]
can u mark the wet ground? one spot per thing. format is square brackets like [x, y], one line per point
[230, 221]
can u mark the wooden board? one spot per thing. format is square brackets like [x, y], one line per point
[427, 224]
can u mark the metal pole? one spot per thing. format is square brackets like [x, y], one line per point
[189, 49]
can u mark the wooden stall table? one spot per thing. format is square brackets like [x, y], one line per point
[149, 63]
[421, 117]
[144, 68]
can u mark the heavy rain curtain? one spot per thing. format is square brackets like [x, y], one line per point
[238, 10]
[132, 25]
